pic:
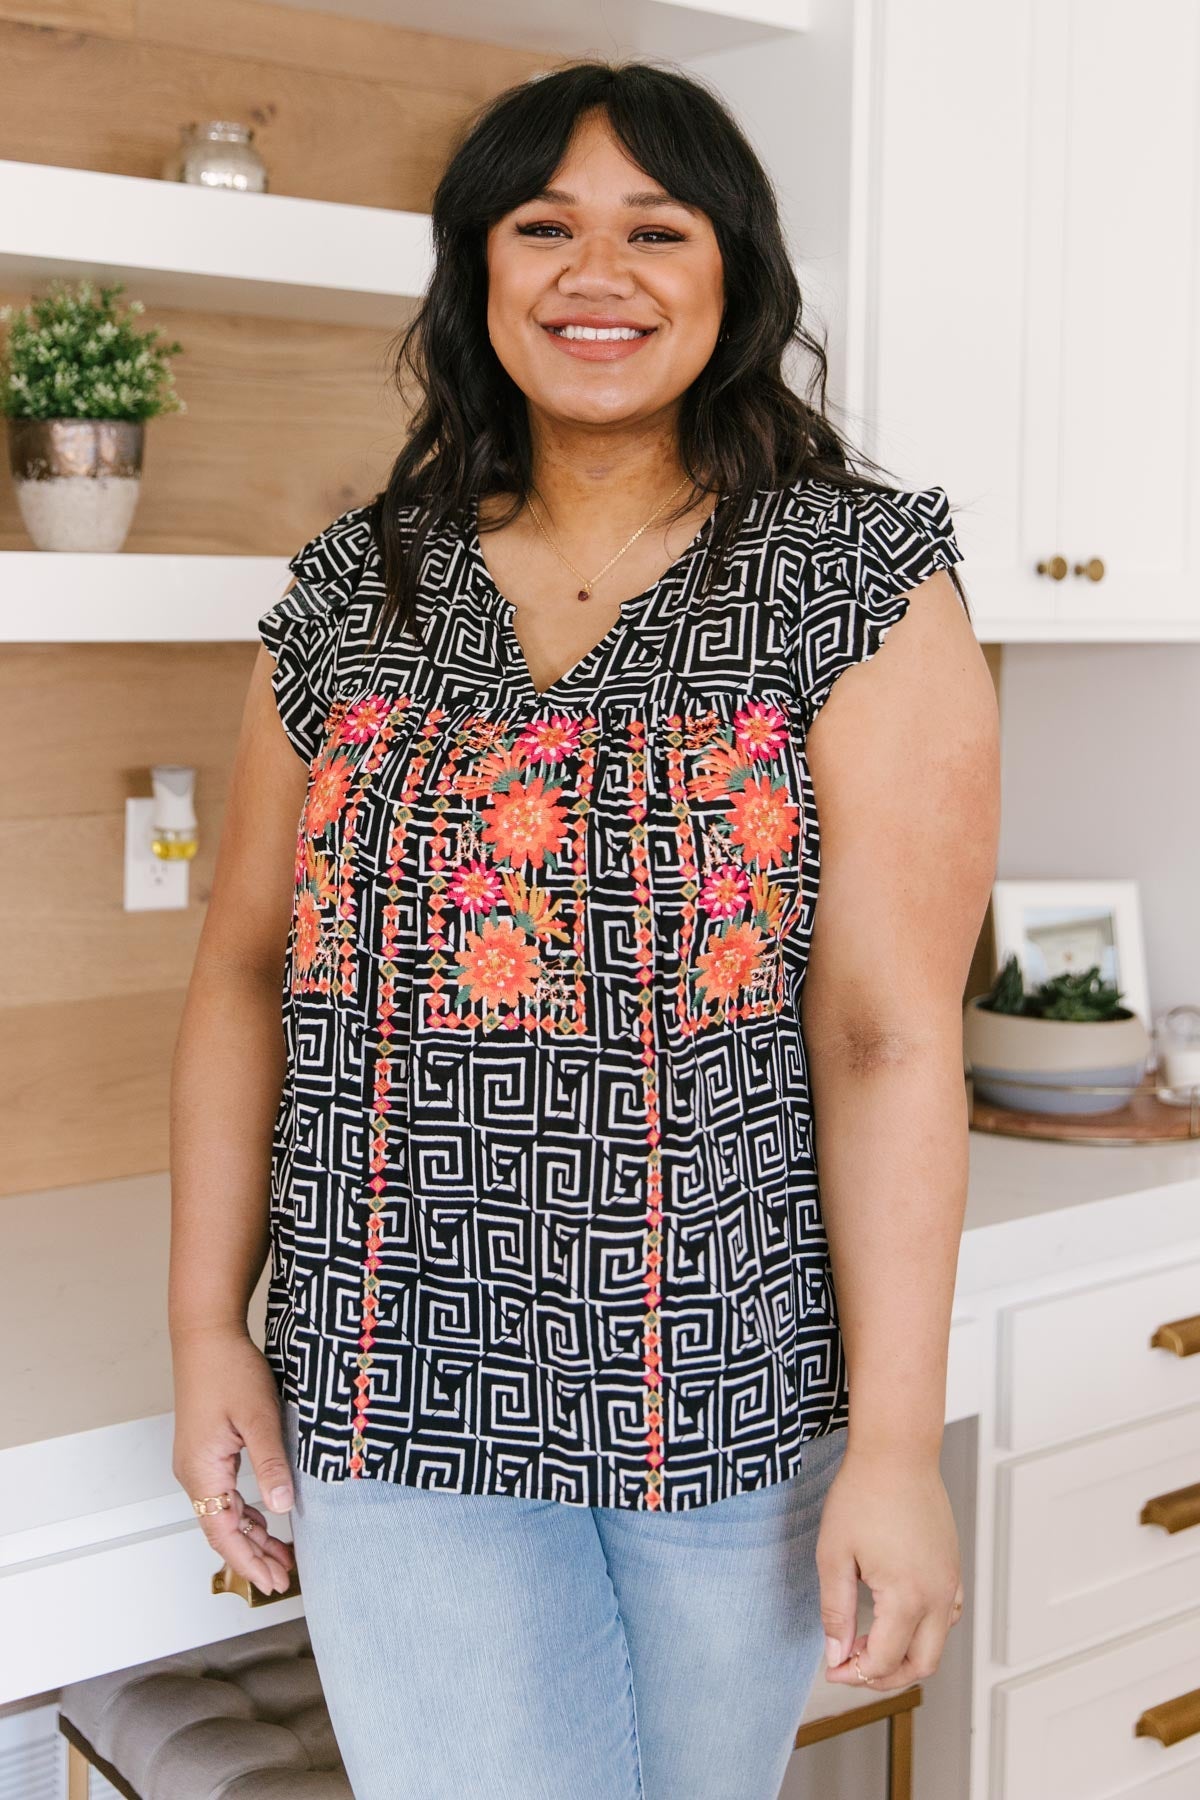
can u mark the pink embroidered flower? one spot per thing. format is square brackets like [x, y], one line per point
[474, 887]
[363, 719]
[725, 891]
[760, 730]
[550, 740]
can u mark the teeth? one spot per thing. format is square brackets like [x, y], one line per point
[602, 335]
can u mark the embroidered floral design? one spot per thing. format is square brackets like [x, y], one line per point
[490, 870]
[356, 736]
[736, 820]
[550, 740]
[526, 821]
[500, 964]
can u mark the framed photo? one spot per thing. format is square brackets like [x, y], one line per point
[1056, 927]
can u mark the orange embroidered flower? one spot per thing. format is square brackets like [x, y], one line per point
[763, 818]
[496, 767]
[363, 719]
[474, 887]
[760, 730]
[719, 766]
[526, 822]
[724, 891]
[308, 929]
[327, 795]
[499, 964]
[728, 960]
[550, 740]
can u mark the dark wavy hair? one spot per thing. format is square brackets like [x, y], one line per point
[741, 426]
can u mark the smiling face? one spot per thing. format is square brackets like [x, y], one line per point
[605, 295]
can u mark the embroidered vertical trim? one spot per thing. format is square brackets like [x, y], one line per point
[652, 1237]
[381, 1096]
[356, 726]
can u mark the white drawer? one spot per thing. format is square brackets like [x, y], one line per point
[1069, 1734]
[1083, 1362]
[1074, 1561]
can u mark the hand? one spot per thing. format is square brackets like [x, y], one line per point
[226, 1400]
[887, 1517]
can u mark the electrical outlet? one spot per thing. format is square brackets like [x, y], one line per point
[152, 884]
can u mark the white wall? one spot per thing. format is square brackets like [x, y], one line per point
[1100, 778]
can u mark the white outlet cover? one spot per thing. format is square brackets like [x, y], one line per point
[151, 885]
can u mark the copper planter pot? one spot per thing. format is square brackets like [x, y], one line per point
[77, 481]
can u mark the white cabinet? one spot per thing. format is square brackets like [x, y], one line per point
[1036, 335]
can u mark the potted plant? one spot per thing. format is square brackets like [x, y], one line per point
[1029, 1051]
[78, 380]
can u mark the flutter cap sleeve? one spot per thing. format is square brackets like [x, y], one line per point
[303, 628]
[874, 549]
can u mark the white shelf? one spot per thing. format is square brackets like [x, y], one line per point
[176, 244]
[678, 29]
[51, 596]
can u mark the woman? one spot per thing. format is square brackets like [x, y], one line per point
[557, 1382]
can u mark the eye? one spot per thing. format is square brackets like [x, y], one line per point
[655, 233]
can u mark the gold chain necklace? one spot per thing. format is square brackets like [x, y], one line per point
[586, 590]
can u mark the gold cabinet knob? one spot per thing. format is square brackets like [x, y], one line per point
[1093, 569]
[1055, 568]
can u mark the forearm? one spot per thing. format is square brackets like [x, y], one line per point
[225, 1086]
[892, 1159]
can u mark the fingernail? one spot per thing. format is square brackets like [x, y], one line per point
[833, 1652]
[281, 1499]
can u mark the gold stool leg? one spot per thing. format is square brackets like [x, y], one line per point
[77, 1773]
[900, 1749]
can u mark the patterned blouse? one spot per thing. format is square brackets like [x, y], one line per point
[544, 1208]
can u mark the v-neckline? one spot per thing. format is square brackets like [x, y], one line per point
[612, 636]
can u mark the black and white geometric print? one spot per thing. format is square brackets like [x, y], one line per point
[545, 1217]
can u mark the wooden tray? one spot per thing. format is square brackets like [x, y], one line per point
[1144, 1120]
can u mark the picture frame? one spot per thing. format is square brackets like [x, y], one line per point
[1055, 926]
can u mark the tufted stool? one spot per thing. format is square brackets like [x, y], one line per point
[243, 1719]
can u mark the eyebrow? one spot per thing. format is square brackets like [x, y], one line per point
[646, 197]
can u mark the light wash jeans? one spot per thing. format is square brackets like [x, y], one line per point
[484, 1647]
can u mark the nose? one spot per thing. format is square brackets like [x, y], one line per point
[597, 266]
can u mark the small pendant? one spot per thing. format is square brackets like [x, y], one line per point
[584, 594]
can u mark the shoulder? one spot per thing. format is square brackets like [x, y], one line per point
[862, 553]
[884, 530]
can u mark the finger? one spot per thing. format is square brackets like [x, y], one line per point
[890, 1635]
[255, 1527]
[847, 1673]
[224, 1534]
[839, 1603]
[262, 1435]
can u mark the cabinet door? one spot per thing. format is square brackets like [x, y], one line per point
[948, 123]
[1129, 489]
[1035, 340]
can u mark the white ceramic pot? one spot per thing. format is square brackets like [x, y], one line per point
[1032, 1064]
[77, 481]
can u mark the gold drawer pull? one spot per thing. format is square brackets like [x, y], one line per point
[1171, 1720]
[228, 1581]
[1175, 1511]
[1181, 1336]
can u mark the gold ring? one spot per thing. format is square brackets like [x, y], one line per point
[858, 1667]
[215, 1503]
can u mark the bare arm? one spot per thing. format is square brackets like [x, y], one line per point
[226, 1080]
[904, 758]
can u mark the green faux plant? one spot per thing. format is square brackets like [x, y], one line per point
[71, 354]
[1084, 997]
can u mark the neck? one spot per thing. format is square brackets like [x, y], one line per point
[604, 484]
